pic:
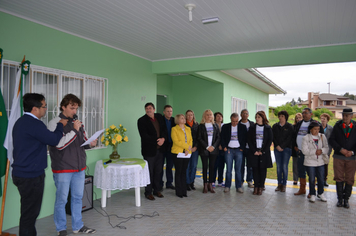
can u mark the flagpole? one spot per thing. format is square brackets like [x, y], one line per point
[3, 201]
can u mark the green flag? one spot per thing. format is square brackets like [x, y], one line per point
[3, 129]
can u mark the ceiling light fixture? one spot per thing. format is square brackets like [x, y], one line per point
[210, 20]
[190, 7]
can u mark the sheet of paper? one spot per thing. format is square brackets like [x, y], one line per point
[92, 138]
[182, 155]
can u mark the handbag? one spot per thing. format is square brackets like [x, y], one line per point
[325, 157]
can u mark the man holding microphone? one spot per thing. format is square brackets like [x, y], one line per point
[68, 167]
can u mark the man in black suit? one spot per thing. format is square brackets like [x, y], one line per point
[167, 155]
[153, 132]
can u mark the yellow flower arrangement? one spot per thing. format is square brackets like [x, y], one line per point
[114, 136]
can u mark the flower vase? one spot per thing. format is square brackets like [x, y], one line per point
[114, 155]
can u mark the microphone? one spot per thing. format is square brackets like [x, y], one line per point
[75, 117]
[105, 163]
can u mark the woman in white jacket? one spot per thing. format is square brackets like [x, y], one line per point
[314, 146]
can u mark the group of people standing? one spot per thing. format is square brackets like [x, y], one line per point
[308, 141]
[180, 140]
[311, 144]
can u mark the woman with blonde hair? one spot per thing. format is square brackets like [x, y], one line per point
[208, 145]
[182, 143]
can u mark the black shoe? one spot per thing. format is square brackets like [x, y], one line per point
[188, 187]
[171, 187]
[181, 196]
[192, 186]
[326, 184]
[339, 203]
[346, 203]
[185, 195]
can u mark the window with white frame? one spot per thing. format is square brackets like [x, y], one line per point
[54, 85]
[260, 107]
[237, 105]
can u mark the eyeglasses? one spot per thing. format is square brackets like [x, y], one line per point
[43, 107]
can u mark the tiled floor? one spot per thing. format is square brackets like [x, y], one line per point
[273, 213]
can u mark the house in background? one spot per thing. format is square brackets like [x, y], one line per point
[335, 103]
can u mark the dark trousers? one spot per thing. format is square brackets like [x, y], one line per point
[208, 162]
[249, 174]
[31, 192]
[326, 171]
[167, 157]
[259, 175]
[302, 173]
[155, 168]
[219, 166]
[180, 174]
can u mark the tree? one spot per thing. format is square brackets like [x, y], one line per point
[351, 96]
[299, 99]
[293, 102]
[292, 110]
[318, 112]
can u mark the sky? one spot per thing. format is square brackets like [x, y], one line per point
[297, 81]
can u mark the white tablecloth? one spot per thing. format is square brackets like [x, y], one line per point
[121, 176]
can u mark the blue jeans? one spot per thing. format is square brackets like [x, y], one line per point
[301, 167]
[282, 160]
[232, 155]
[317, 171]
[75, 182]
[192, 167]
[219, 166]
[249, 175]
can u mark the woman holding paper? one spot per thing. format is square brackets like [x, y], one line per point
[181, 150]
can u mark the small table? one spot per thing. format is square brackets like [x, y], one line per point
[124, 173]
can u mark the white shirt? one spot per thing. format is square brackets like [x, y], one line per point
[234, 140]
[301, 133]
[259, 136]
[30, 114]
[210, 132]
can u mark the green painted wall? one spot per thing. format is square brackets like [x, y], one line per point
[197, 94]
[235, 88]
[165, 87]
[131, 85]
[300, 56]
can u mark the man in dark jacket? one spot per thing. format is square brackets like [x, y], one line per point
[249, 175]
[153, 132]
[343, 140]
[68, 167]
[233, 142]
[30, 140]
[301, 129]
[167, 155]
